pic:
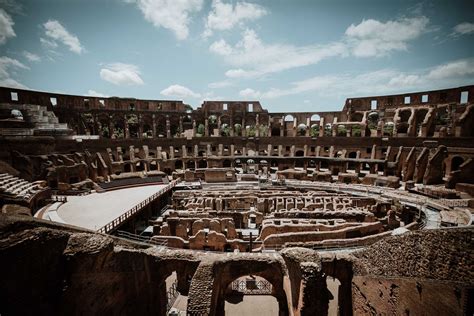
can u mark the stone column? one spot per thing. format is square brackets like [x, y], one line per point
[206, 127]
[232, 150]
[244, 129]
[194, 129]
[280, 149]
[159, 154]
[231, 126]
[168, 127]
[196, 151]
[184, 151]
[181, 125]
[171, 152]
[315, 293]
[321, 127]
[282, 128]
[154, 125]
[257, 126]
[126, 132]
[305, 150]
[269, 150]
[292, 151]
[221, 150]
[208, 152]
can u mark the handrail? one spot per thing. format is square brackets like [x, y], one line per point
[112, 225]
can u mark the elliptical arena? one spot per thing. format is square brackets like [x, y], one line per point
[121, 206]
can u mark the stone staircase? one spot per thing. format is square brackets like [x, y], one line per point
[16, 188]
[43, 122]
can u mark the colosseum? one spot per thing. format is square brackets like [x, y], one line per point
[128, 206]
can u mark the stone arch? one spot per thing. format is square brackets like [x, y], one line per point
[190, 164]
[456, 162]
[315, 118]
[276, 131]
[226, 272]
[118, 124]
[357, 117]
[226, 163]
[289, 118]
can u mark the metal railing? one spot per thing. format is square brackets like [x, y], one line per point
[252, 287]
[139, 238]
[113, 225]
[172, 294]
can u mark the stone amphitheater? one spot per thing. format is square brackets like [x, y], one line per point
[128, 206]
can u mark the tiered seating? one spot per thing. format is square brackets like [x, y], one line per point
[16, 188]
[43, 121]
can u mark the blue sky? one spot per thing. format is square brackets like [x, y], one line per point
[298, 55]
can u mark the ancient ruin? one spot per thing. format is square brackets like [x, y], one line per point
[130, 206]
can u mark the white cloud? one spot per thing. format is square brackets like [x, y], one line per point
[375, 38]
[464, 28]
[459, 68]
[179, 91]
[173, 15]
[31, 57]
[6, 65]
[221, 47]
[250, 93]
[253, 58]
[220, 84]
[121, 74]
[58, 33]
[383, 81]
[94, 93]
[225, 16]
[6, 27]
[48, 44]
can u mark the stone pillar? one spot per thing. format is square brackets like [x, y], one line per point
[269, 150]
[221, 150]
[126, 132]
[244, 129]
[282, 126]
[171, 152]
[208, 151]
[168, 127]
[206, 127]
[232, 150]
[219, 125]
[196, 151]
[318, 150]
[184, 151]
[292, 151]
[194, 129]
[231, 126]
[373, 154]
[181, 125]
[331, 151]
[257, 126]
[154, 125]
[159, 154]
[111, 128]
[244, 151]
[305, 149]
[315, 293]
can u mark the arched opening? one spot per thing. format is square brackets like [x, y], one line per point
[127, 167]
[276, 131]
[178, 164]
[227, 163]
[245, 293]
[190, 165]
[314, 131]
[119, 129]
[140, 166]
[132, 121]
[238, 129]
[299, 153]
[420, 117]
[289, 118]
[341, 130]
[153, 165]
[301, 130]
[202, 163]
[357, 117]
[456, 162]
[315, 118]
